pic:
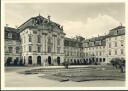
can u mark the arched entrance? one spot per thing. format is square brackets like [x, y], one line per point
[16, 61]
[78, 62]
[49, 60]
[21, 62]
[58, 60]
[39, 60]
[30, 60]
[9, 60]
[75, 62]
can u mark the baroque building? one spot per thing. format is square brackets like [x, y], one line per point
[40, 41]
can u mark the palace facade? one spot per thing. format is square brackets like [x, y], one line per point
[40, 41]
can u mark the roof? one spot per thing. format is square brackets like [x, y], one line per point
[120, 30]
[95, 39]
[41, 22]
[72, 42]
[13, 32]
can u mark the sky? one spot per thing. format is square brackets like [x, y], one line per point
[83, 19]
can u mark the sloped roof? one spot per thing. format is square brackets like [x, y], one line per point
[13, 31]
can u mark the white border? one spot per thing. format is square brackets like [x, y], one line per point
[57, 1]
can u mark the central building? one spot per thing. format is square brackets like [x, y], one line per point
[42, 42]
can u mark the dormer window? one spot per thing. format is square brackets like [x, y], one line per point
[9, 35]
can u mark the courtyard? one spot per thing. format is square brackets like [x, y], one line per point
[53, 76]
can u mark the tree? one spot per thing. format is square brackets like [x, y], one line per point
[118, 64]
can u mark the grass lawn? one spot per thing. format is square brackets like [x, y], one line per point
[92, 72]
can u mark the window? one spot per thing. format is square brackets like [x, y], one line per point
[10, 49]
[17, 49]
[122, 51]
[67, 53]
[115, 44]
[38, 48]
[115, 52]
[58, 50]
[122, 43]
[96, 53]
[58, 41]
[9, 35]
[109, 45]
[30, 48]
[49, 49]
[49, 41]
[109, 52]
[86, 54]
[100, 53]
[38, 39]
[30, 38]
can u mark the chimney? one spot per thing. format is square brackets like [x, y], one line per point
[6, 25]
[16, 26]
[49, 18]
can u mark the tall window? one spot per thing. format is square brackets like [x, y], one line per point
[58, 50]
[17, 49]
[58, 41]
[38, 38]
[49, 41]
[115, 52]
[122, 51]
[10, 49]
[30, 48]
[49, 49]
[30, 38]
[39, 49]
[115, 44]
[9, 35]
[109, 52]
[100, 53]
[109, 45]
[122, 43]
